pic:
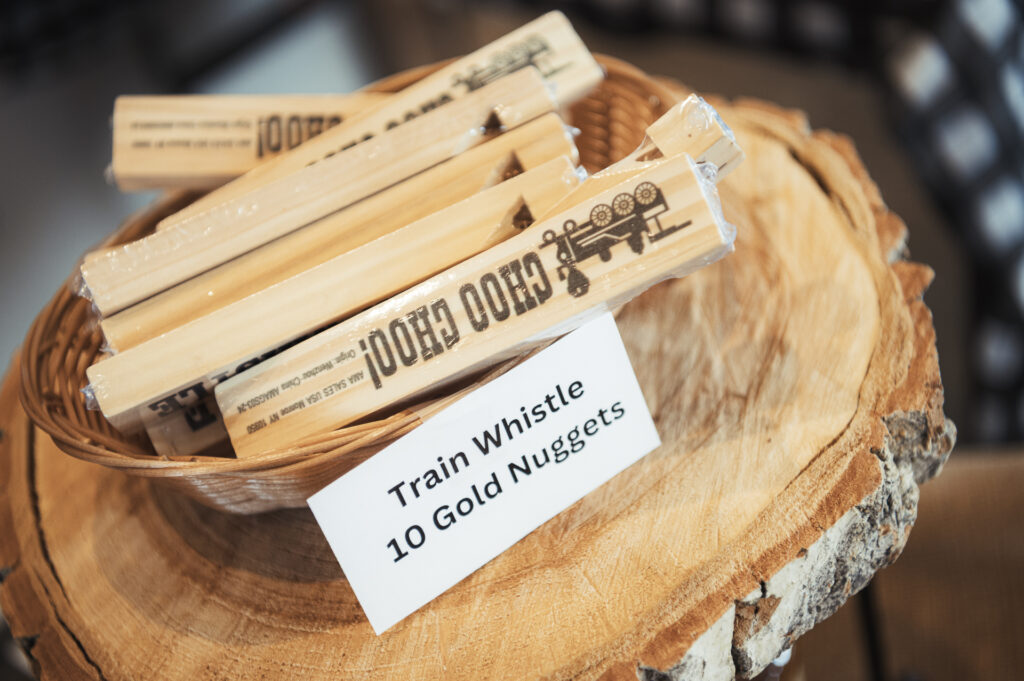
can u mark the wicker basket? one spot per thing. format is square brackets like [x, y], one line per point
[64, 340]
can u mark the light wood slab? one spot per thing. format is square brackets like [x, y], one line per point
[796, 389]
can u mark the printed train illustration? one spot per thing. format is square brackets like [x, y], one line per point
[534, 51]
[629, 218]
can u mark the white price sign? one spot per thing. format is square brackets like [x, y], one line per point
[427, 511]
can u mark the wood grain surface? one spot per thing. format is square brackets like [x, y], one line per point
[202, 141]
[520, 149]
[117, 277]
[796, 390]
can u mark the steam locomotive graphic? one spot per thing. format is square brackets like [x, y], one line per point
[629, 218]
[534, 51]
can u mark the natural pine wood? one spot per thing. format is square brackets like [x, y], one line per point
[118, 277]
[691, 127]
[548, 43]
[202, 141]
[543, 282]
[133, 384]
[128, 383]
[796, 389]
[519, 149]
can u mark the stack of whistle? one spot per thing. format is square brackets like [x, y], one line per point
[359, 252]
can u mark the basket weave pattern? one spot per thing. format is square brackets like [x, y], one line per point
[64, 341]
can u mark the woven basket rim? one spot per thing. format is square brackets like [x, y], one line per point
[69, 424]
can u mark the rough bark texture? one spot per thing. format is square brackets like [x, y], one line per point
[870, 536]
[796, 389]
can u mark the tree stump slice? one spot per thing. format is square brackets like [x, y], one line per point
[796, 388]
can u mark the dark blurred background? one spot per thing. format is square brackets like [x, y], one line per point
[931, 92]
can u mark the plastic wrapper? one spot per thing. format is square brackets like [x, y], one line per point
[623, 217]
[512, 153]
[89, 394]
[182, 366]
[663, 222]
[76, 283]
[201, 141]
[697, 126]
[105, 347]
[129, 273]
[548, 44]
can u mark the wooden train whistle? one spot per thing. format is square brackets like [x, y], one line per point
[486, 165]
[548, 45]
[664, 222]
[119, 277]
[211, 349]
[630, 217]
[202, 141]
[691, 127]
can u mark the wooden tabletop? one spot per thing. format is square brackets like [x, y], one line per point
[796, 389]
